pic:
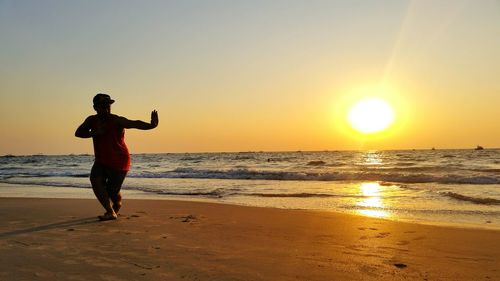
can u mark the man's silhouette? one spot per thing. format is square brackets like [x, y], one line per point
[112, 159]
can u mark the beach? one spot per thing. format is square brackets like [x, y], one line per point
[61, 239]
[442, 187]
[250, 140]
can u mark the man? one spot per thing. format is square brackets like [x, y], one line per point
[112, 159]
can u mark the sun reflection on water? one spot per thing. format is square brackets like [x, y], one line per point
[372, 200]
[372, 158]
[374, 213]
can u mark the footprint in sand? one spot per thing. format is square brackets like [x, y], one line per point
[403, 243]
[21, 243]
[188, 218]
[383, 234]
[133, 216]
[419, 238]
[400, 265]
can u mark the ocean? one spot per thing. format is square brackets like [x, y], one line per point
[451, 187]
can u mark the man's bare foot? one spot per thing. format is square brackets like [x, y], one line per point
[117, 207]
[108, 216]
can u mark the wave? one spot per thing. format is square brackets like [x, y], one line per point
[320, 176]
[42, 174]
[251, 174]
[8, 156]
[218, 193]
[193, 158]
[247, 157]
[405, 164]
[297, 195]
[448, 156]
[281, 159]
[84, 175]
[477, 200]
[316, 163]
[43, 183]
[487, 170]
[443, 211]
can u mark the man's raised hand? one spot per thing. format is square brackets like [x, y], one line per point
[154, 118]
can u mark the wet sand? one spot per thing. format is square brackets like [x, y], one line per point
[61, 239]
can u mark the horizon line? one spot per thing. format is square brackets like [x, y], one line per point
[261, 151]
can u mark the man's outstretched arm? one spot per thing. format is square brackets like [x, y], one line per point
[138, 124]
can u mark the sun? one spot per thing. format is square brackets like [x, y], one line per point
[371, 115]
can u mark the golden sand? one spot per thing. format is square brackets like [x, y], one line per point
[61, 239]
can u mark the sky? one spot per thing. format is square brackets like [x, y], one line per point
[250, 75]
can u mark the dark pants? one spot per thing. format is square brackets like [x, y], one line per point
[112, 179]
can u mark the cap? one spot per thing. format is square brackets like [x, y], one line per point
[102, 99]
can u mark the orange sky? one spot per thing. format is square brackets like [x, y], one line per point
[253, 76]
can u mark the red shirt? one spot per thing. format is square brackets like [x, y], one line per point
[110, 148]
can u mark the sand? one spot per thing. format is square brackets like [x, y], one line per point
[61, 239]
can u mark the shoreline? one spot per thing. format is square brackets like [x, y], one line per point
[181, 240]
[11, 190]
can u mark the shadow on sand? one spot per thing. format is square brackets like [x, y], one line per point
[84, 221]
